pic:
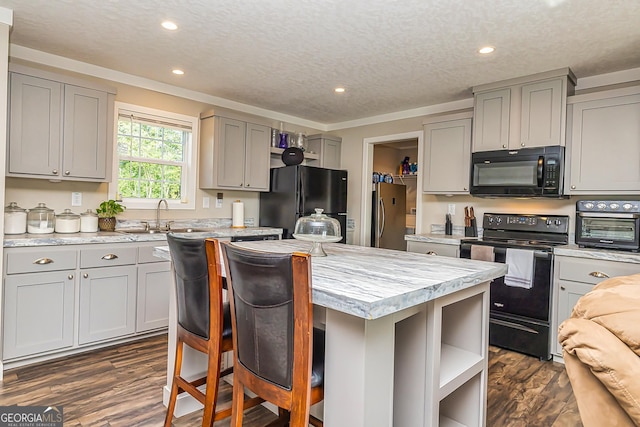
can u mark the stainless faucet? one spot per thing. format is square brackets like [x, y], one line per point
[166, 208]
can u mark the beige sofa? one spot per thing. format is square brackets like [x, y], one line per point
[601, 343]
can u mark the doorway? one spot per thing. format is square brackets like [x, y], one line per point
[386, 153]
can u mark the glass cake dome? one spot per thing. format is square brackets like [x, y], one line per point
[317, 228]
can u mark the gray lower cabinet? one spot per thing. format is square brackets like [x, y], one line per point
[60, 128]
[573, 278]
[38, 313]
[447, 155]
[154, 289]
[107, 303]
[65, 299]
[431, 248]
[603, 143]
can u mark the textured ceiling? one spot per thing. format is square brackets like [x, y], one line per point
[288, 55]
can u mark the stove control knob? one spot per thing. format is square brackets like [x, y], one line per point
[490, 219]
[601, 205]
[627, 206]
[588, 205]
[548, 221]
[498, 220]
[558, 222]
[614, 205]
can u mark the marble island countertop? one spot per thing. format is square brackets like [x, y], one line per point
[122, 236]
[372, 282]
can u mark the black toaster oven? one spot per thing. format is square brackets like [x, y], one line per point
[608, 224]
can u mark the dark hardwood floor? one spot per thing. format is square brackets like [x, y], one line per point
[122, 386]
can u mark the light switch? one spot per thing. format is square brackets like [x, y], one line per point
[205, 202]
[76, 199]
[451, 209]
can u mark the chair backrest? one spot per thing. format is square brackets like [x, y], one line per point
[192, 283]
[271, 312]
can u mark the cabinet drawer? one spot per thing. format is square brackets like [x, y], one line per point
[34, 261]
[107, 256]
[145, 253]
[585, 270]
[433, 248]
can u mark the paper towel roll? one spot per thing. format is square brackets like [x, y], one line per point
[237, 215]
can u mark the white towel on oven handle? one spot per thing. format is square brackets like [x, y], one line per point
[520, 268]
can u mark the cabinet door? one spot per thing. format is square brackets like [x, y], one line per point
[541, 114]
[230, 151]
[85, 133]
[107, 303]
[35, 113]
[447, 157]
[605, 148]
[38, 313]
[331, 154]
[568, 295]
[257, 160]
[154, 288]
[491, 120]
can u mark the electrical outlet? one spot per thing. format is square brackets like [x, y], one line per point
[219, 200]
[451, 209]
[76, 199]
[205, 202]
[351, 224]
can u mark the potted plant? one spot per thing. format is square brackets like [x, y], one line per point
[107, 214]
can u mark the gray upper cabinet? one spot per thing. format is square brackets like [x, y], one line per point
[59, 127]
[328, 148]
[447, 155]
[604, 143]
[521, 113]
[234, 154]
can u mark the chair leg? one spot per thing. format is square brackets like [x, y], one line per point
[238, 404]
[211, 393]
[299, 418]
[177, 366]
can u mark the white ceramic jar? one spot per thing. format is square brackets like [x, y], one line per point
[88, 222]
[67, 222]
[15, 219]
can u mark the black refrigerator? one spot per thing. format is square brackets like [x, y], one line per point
[297, 191]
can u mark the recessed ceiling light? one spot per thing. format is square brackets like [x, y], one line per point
[339, 90]
[178, 72]
[487, 49]
[168, 25]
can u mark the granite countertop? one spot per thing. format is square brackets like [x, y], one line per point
[600, 254]
[453, 240]
[372, 282]
[58, 239]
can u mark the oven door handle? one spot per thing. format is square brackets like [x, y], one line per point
[609, 215]
[536, 254]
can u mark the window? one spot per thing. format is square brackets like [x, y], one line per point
[154, 158]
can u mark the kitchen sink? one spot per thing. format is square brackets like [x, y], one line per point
[154, 231]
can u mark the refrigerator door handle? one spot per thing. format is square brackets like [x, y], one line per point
[381, 223]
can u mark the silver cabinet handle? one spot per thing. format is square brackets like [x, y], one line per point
[55, 171]
[85, 275]
[522, 144]
[562, 288]
[109, 257]
[573, 187]
[67, 172]
[432, 253]
[464, 188]
[70, 277]
[504, 146]
[43, 261]
[599, 275]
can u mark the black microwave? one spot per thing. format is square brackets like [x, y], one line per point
[529, 172]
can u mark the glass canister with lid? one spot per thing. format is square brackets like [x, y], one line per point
[15, 219]
[89, 222]
[67, 222]
[41, 220]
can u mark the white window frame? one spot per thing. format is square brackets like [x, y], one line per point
[189, 198]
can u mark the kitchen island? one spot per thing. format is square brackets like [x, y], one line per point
[406, 334]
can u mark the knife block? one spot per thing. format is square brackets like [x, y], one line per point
[472, 230]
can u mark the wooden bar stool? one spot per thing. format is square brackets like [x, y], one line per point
[204, 322]
[278, 355]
